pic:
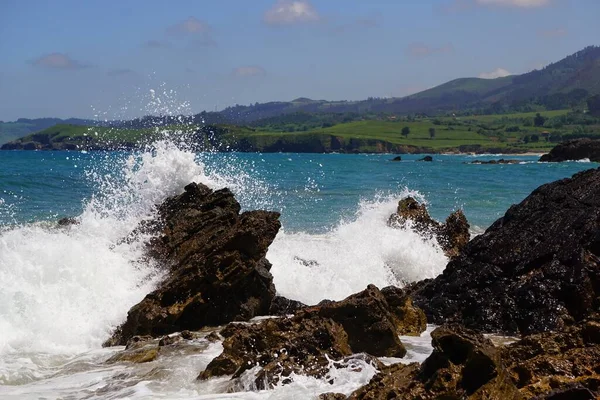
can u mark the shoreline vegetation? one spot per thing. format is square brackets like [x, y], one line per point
[522, 133]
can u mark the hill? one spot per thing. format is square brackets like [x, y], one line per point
[510, 133]
[24, 126]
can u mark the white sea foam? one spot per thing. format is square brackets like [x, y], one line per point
[357, 252]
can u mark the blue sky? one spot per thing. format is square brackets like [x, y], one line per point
[68, 58]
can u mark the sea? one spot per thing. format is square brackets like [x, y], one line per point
[64, 289]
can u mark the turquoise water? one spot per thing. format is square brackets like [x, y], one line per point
[63, 290]
[312, 191]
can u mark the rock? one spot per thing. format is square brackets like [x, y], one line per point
[217, 270]
[279, 347]
[282, 306]
[368, 320]
[463, 365]
[577, 149]
[426, 158]
[397, 158]
[533, 270]
[141, 352]
[67, 221]
[308, 342]
[554, 365]
[500, 161]
[452, 236]
[412, 320]
[332, 396]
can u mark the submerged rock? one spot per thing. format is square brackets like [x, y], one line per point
[310, 341]
[453, 235]
[397, 158]
[426, 158]
[577, 149]
[217, 270]
[500, 161]
[535, 269]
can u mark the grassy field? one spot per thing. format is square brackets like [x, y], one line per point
[506, 132]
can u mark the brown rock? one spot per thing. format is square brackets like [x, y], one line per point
[411, 319]
[217, 267]
[452, 235]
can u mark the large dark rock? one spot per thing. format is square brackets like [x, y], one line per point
[453, 235]
[217, 270]
[577, 149]
[533, 270]
[309, 341]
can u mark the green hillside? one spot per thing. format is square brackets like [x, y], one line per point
[509, 133]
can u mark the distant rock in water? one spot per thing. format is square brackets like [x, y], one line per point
[535, 269]
[426, 158]
[397, 158]
[217, 267]
[573, 150]
[500, 161]
[307, 342]
[453, 235]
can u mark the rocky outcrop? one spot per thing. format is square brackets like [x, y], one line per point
[217, 270]
[452, 236]
[535, 269]
[463, 365]
[577, 149]
[411, 319]
[426, 159]
[466, 365]
[494, 162]
[308, 342]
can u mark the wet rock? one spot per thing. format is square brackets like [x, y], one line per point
[411, 319]
[453, 235]
[314, 340]
[426, 158]
[533, 270]
[368, 320]
[332, 396]
[556, 364]
[282, 306]
[492, 162]
[138, 355]
[279, 347]
[397, 158]
[217, 270]
[577, 149]
[463, 365]
[67, 221]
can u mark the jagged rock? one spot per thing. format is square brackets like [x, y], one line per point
[283, 306]
[67, 221]
[217, 270]
[463, 365]
[412, 320]
[452, 236]
[535, 269]
[554, 364]
[368, 319]
[332, 396]
[314, 338]
[577, 149]
[279, 347]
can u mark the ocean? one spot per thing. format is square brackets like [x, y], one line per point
[63, 289]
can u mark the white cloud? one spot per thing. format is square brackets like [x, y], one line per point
[515, 3]
[497, 73]
[57, 61]
[249, 71]
[287, 12]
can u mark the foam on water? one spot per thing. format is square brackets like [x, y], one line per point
[357, 252]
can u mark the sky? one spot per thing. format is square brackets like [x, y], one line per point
[121, 59]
